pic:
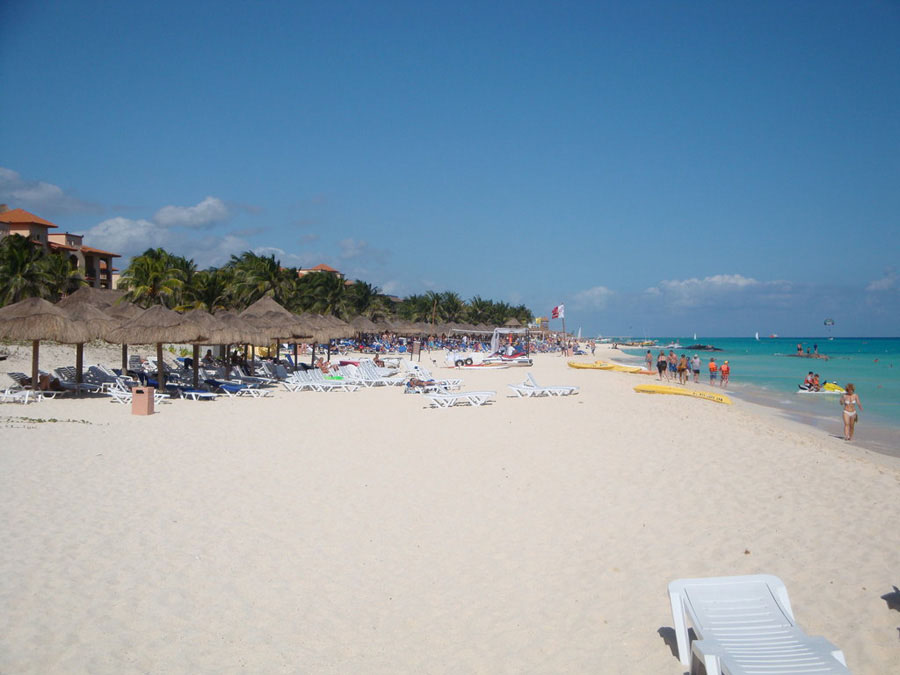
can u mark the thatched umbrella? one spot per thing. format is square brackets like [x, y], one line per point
[210, 325]
[512, 323]
[277, 321]
[36, 319]
[98, 297]
[123, 311]
[363, 325]
[158, 325]
[94, 322]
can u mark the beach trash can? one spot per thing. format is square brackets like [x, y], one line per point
[142, 401]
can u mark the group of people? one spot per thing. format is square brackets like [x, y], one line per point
[671, 368]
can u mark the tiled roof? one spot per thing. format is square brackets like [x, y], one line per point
[322, 267]
[88, 249]
[55, 245]
[22, 217]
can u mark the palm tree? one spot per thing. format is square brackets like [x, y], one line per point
[258, 275]
[22, 271]
[151, 279]
[209, 290]
[451, 307]
[63, 277]
[478, 310]
[322, 293]
[415, 308]
[364, 299]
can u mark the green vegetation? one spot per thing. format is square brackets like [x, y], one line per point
[157, 277]
[27, 272]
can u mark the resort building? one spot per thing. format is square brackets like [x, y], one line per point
[321, 268]
[95, 264]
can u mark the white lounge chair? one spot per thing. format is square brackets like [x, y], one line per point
[531, 388]
[10, 395]
[448, 399]
[744, 626]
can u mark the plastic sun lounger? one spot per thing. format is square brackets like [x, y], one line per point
[448, 399]
[233, 389]
[22, 396]
[744, 626]
[531, 388]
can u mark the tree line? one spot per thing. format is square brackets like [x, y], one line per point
[157, 277]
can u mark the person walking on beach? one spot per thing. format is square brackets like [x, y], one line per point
[725, 371]
[713, 368]
[673, 365]
[662, 365]
[682, 369]
[649, 359]
[850, 402]
[695, 367]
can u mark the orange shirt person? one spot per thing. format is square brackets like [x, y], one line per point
[725, 370]
[713, 370]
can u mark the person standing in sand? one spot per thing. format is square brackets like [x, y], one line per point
[695, 367]
[682, 370]
[661, 365]
[713, 368]
[850, 402]
[649, 359]
[725, 371]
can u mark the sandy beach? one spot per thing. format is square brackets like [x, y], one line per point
[365, 533]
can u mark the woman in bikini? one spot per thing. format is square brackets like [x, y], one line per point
[850, 403]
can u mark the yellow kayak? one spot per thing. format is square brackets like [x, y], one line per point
[680, 391]
[597, 365]
[608, 365]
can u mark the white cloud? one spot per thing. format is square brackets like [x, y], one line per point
[129, 237]
[38, 196]
[885, 283]
[208, 212]
[728, 291]
[593, 298]
[358, 248]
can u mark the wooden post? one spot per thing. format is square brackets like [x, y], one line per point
[124, 360]
[35, 350]
[160, 371]
[79, 363]
[196, 364]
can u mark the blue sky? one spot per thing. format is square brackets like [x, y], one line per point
[662, 168]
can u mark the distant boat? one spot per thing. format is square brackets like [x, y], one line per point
[757, 335]
[674, 345]
[774, 335]
[695, 337]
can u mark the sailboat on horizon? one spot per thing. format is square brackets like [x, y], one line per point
[757, 336]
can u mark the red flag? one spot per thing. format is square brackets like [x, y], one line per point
[559, 312]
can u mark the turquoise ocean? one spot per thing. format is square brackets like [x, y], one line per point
[762, 371]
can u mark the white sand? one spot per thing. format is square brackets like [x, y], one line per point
[363, 533]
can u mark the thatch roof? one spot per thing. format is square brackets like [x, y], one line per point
[99, 297]
[275, 321]
[512, 323]
[157, 324]
[363, 325]
[89, 318]
[37, 319]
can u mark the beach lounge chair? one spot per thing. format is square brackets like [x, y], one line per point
[11, 395]
[233, 389]
[531, 388]
[197, 394]
[23, 381]
[121, 393]
[421, 372]
[448, 399]
[67, 376]
[745, 625]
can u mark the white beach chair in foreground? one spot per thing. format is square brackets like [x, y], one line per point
[449, 399]
[745, 626]
[531, 388]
